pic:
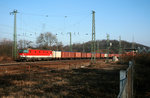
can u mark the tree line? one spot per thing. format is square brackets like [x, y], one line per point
[48, 41]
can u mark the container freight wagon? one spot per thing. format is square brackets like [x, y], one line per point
[64, 55]
[105, 55]
[72, 55]
[97, 55]
[110, 55]
[117, 55]
[67, 55]
[77, 55]
[83, 55]
[102, 55]
[88, 55]
[56, 55]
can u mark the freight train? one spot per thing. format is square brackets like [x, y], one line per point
[36, 55]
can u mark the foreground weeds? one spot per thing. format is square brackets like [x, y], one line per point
[141, 74]
[47, 82]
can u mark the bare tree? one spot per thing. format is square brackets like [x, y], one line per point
[46, 40]
[20, 44]
[24, 44]
[6, 47]
[58, 46]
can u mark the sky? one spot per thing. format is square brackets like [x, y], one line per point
[129, 19]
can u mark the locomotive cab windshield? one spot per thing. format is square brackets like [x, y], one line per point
[23, 51]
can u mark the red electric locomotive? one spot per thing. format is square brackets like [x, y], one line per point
[33, 54]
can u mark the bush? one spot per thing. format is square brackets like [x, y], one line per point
[142, 59]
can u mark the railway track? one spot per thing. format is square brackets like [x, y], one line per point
[8, 64]
[38, 62]
[20, 63]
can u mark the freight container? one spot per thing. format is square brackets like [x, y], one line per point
[97, 55]
[56, 54]
[88, 55]
[117, 55]
[65, 55]
[83, 55]
[102, 55]
[71, 54]
[105, 55]
[77, 54]
[92, 54]
[112, 55]
[109, 55]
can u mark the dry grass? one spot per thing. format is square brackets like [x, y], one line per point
[5, 58]
[101, 80]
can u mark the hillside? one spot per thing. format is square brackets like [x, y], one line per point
[103, 46]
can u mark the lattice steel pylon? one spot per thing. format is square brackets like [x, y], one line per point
[98, 47]
[133, 42]
[108, 46]
[70, 43]
[93, 45]
[15, 36]
[120, 48]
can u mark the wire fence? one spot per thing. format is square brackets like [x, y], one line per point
[126, 82]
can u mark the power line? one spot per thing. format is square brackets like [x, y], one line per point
[17, 28]
[34, 14]
[82, 19]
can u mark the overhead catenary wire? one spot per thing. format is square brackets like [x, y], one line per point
[24, 27]
[46, 15]
[19, 29]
